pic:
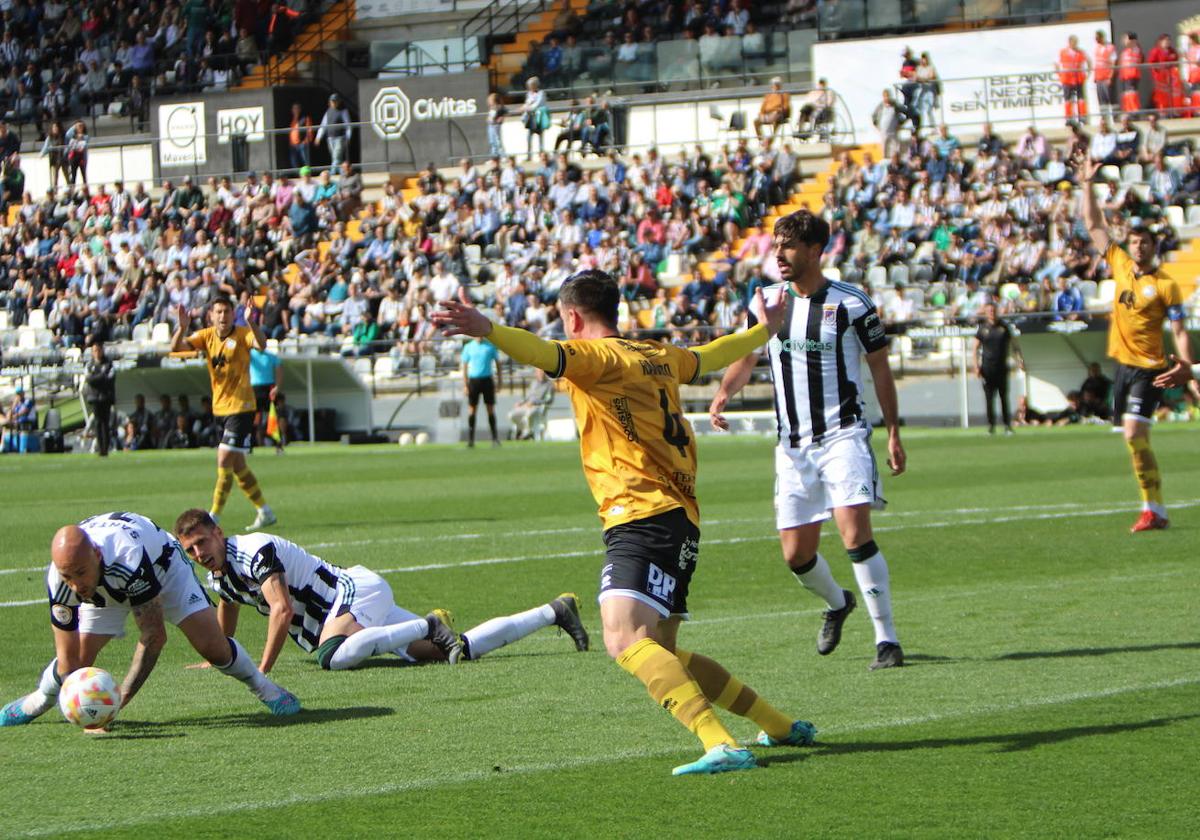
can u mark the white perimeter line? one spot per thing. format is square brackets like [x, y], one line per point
[622, 755]
[556, 555]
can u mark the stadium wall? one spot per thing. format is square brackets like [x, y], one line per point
[1003, 75]
[1151, 19]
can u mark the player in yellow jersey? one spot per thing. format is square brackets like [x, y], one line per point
[226, 348]
[639, 458]
[1145, 297]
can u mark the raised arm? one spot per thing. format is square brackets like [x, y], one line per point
[179, 342]
[1093, 217]
[274, 590]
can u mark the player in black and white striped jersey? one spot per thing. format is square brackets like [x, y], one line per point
[342, 616]
[116, 564]
[823, 460]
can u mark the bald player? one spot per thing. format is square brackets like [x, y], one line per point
[639, 458]
[114, 564]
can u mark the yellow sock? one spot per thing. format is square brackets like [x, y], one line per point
[673, 688]
[221, 491]
[249, 485]
[1145, 470]
[727, 691]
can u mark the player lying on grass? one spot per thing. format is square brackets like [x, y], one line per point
[343, 616]
[639, 458]
[110, 566]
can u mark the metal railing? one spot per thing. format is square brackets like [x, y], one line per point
[674, 65]
[503, 17]
[862, 18]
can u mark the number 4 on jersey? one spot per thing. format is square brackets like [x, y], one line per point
[674, 432]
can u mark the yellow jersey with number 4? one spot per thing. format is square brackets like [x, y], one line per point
[1141, 302]
[639, 453]
[228, 368]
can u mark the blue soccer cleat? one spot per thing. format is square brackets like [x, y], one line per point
[285, 704]
[802, 735]
[13, 715]
[720, 759]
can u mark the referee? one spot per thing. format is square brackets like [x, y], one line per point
[993, 343]
[479, 358]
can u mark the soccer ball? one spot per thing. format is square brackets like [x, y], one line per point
[406, 439]
[89, 697]
[422, 438]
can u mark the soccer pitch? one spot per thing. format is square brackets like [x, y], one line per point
[1052, 686]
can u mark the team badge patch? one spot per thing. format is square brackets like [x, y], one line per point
[829, 315]
[1149, 291]
[230, 344]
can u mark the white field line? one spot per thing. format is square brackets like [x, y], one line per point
[468, 776]
[556, 555]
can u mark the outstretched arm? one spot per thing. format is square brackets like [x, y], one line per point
[274, 589]
[152, 638]
[732, 383]
[1093, 218]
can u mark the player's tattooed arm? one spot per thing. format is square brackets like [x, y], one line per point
[152, 638]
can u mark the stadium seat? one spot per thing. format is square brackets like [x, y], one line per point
[1193, 215]
[141, 333]
[1141, 190]
[1131, 173]
[1009, 291]
[1105, 293]
[1110, 173]
[4, 324]
[26, 338]
[877, 277]
[1175, 216]
[37, 319]
[161, 334]
[364, 368]
[832, 273]
[383, 368]
[898, 275]
[1087, 289]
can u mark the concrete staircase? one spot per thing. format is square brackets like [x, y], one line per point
[333, 25]
[508, 58]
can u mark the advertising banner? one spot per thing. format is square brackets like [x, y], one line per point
[247, 121]
[1001, 75]
[181, 133]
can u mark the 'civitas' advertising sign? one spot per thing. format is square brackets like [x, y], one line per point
[392, 111]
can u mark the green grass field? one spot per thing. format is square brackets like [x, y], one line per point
[1053, 686]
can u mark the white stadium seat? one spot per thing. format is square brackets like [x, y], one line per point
[161, 334]
[37, 319]
[1175, 216]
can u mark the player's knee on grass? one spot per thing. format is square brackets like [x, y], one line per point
[327, 649]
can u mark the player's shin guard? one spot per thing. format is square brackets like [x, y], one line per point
[727, 691]
[39, 702]
[498, 632]
[221, 490]
[249, 485]
[1145, 470]
[816, 577]
[673, 688]
[373, 641]
[871, 572]
[242, 668]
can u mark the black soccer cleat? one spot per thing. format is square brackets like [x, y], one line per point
[441, 633]
[831, 629]
[887, 655]
[566, 617]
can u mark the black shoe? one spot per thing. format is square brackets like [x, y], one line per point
[831, 630]
[566, 617]
[887, 655]
[441, 633]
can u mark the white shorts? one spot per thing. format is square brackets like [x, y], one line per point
[367, 597]
[181, 596]
[811, 480]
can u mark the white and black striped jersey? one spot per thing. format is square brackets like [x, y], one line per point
[311, 582]
[815, 361]
[134, 555]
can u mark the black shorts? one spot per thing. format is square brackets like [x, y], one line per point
[239, 431]
[1135, 394]
[1104, 92]
[262, 398]
[483, 386]
[652, 560]
[1073, 92]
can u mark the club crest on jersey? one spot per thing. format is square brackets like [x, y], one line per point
[829, 315]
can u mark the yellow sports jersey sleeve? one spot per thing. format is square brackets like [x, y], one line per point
[638, 451]
[1140, 305]
[228, 368]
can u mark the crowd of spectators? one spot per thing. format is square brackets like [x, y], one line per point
[998, 221]
[60, 59]
[724, 37]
